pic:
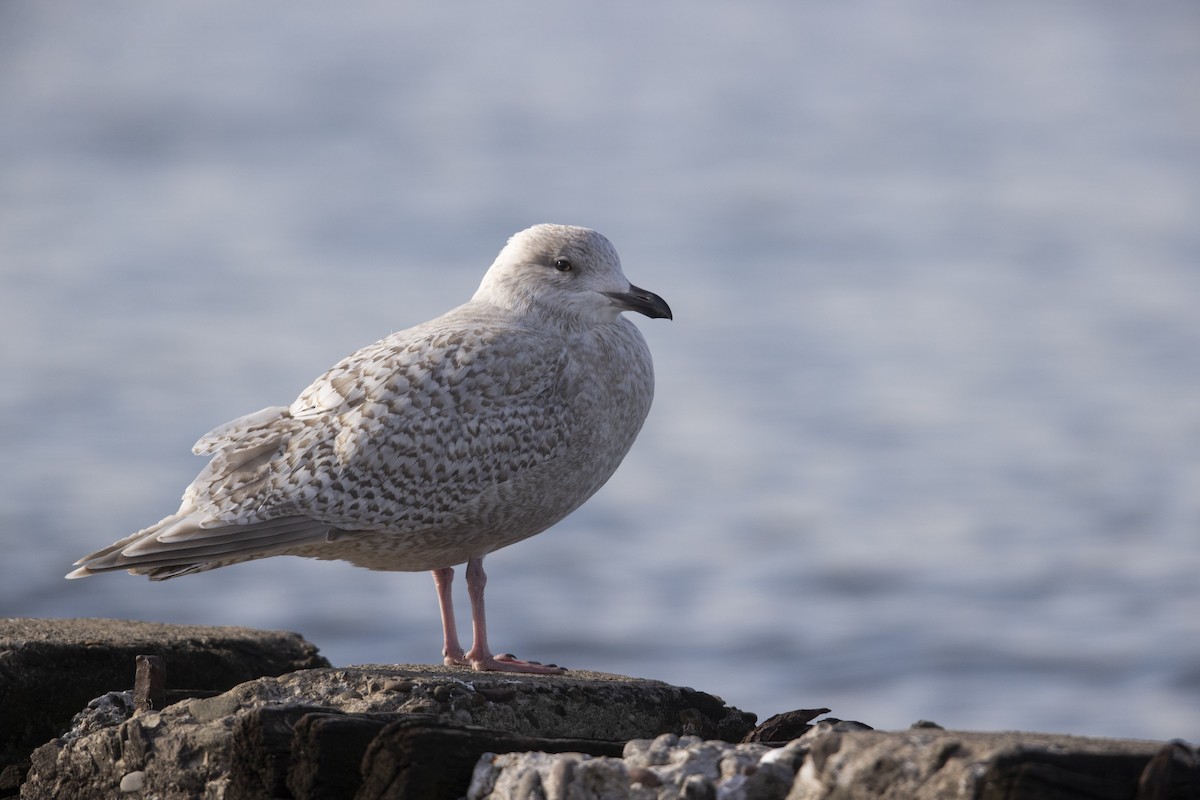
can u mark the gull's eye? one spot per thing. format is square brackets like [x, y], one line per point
[562, 264]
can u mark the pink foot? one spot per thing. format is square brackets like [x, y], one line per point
[507, 662]
[455, 659]
[480, 657]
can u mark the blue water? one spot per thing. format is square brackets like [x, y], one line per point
[926, 442]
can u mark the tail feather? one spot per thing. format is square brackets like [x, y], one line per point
[178, 545]
[191, 538]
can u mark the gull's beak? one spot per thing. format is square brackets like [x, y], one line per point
[641, 301]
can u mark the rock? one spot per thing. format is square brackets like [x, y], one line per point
[848, 763]
[51, 668]
[930, 763]
[408, 731]
[379, 732]
[326, 752]
[1173, 774]
[667, 766]
[429, 757]
[133, 781]
[786, 726]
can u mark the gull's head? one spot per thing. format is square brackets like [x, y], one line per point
[565, 271]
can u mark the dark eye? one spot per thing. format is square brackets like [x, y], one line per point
[562, 264]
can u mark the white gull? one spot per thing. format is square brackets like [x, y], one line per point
[436, 445]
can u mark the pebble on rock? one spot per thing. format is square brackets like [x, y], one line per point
[133, 781]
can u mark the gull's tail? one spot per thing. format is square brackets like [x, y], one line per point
[181, 544]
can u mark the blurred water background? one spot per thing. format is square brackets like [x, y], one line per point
[926, 442]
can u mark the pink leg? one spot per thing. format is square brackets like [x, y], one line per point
[452, 652]
[480, 656]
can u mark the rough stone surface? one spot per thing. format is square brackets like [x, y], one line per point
[786, 726]
[305, 734]
[51, 668]
[836, 762]
[930, 763]
[668, 766]
[422, 757]
[381, 732]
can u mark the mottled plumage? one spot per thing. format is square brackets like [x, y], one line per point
[436, 445]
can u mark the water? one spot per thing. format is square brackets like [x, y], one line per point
[927, 435]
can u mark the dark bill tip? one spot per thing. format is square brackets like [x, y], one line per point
[643, 302]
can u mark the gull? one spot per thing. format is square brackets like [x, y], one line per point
[436, 445]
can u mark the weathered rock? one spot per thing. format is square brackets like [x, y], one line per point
[305, 734]
[930, 763]
[786, 726]
[836, 762]
[327, 750]
[431, 758]
[1173, 774]
[51, 668]
[668, 766]
[432, 732]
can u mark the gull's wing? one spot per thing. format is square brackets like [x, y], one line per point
[402, 434]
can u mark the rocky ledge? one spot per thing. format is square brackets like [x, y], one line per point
[374, 731]
[51, 668]
[313, 731]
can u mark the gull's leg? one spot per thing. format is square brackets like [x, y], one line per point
[452, 652]
[480, 657]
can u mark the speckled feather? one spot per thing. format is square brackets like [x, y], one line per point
[437, 444]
